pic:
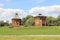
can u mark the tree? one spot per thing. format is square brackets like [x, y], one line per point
[58, 20]
[51, 21]
[58, 17]
[2, 23]
[28, 20]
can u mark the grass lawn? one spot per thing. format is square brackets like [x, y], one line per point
[49, 30]
[28, 37]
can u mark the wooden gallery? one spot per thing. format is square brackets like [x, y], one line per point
[39, 20]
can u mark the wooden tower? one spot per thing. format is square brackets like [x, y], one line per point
[40, 20]
[16, 21]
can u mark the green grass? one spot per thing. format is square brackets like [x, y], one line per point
[16, 37]
[49, 30]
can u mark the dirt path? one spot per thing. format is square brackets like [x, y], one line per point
[34, 35]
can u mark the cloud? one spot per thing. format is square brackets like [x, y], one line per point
[38, 1]
[30, 1]
[9, 13]
[8, 1]
[47, 9]
[53, 9]
[1, 4]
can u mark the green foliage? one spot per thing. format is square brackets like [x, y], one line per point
[28, 21]
[2, 23]
[58, 17]
[51, 21]
[58, 20]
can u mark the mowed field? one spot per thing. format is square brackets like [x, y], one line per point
[30, 33]
[48, 30]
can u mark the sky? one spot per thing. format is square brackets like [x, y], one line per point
[8, 8]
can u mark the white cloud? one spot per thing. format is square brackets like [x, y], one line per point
[1, 4]
[8, 1]
[31, 1]
[35, 1]
[38, 1]
[53, 9]
[47, 9]
[6, 13]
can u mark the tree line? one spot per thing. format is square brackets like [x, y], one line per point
[2, 23]
[50, 21]
[29, 21]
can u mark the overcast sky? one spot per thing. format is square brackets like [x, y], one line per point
[28, 7]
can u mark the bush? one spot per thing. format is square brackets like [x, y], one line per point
[2, 23]
[29, 22]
